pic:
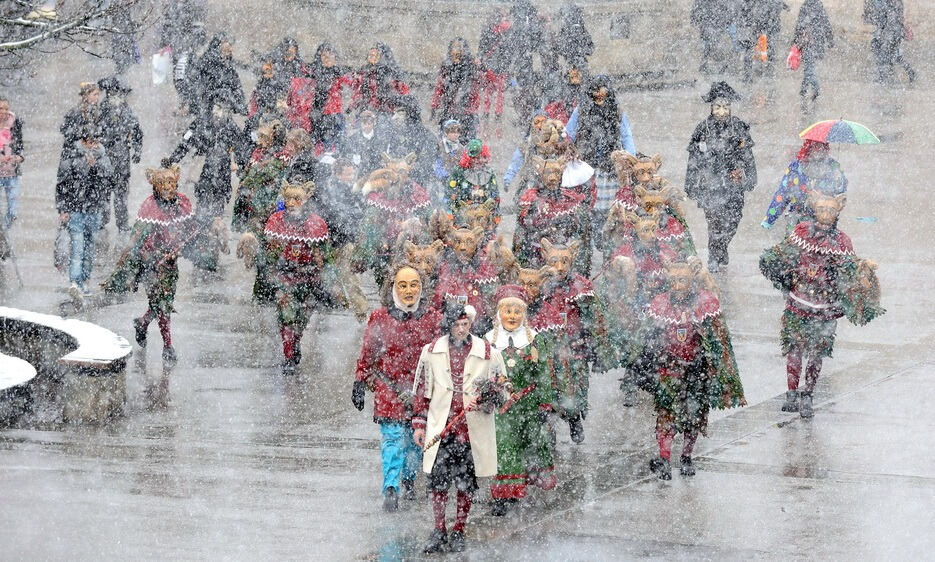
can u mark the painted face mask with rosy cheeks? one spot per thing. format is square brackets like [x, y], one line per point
[267, 71]
[720, 109]
[600, 96]
[407, 286]
[511, 316]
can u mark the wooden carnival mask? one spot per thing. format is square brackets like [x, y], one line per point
[560, 257]
[165, 181]
[533, 279]
[638, 169]
[548, 137]
[682, 275]
[464, 241]
[656, 195]
[827, 208]
[478, 215]
[549, 171]
[646, 227]
[423, 258]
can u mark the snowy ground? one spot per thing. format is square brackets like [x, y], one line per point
[224, 458]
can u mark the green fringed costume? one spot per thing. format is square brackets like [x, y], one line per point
[823, 280]
[524, 439]
[688, 366]
[256, 201]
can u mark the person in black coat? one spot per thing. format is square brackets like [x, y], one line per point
[123, 140]
[721, 169]
[575, 43]
[457, 89]
[888, 18]
[214, 74]
[215, 136]
[756, 18]
[81, 189]
[813, 36]
[409, 135]
[365, 144]
[85, 118]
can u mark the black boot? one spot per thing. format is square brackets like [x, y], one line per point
[456, 542]
[687, 468]
[438, 542]
[792, 401]
[500, 507]
[139, 329]
[661, 468]
[390, 500]
[576, 429]
[290, 365]
[409, 490]
[805, 405]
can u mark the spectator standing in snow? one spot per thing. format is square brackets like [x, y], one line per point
[11, 156]
[123, 141]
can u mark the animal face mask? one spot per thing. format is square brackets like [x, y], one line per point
[560, 258]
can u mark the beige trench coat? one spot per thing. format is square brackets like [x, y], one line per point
[435, 367]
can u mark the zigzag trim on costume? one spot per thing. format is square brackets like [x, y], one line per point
[674, 321]
[588, 293]
[825, 250]
[168, 222]
[381, 205]
[290, 237]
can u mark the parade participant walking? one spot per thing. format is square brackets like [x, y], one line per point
[457, 92]
[812, 170]
[721, 169]
[11, 157]
[299, 240]
[687, 364]
[379, 82]
[457, 386]
[215, 136]
[450, 150]
[214, 77]
[812, 36]
[823, 280]
[393, 340]
[316, 100]
[495, 59]
[473, 181]
[524, 437]
[82, 185]
[123, 140]
[598, 128]
[366, 143]
[165, 229]
[712, 18]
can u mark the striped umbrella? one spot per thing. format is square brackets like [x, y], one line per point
[839, 130]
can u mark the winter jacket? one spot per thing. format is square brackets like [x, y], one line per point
[217, 141]
[717, 148]
[341, 208]
[792, 193]
[215, 78]
[493, 51]
[434, 390]
[123, 137]
[457, 90]
[813, 34]
[81, 187]
[389, 355]
[575, 44]
[11, 144]
[77, 120]
[596, 149]
[366, 153]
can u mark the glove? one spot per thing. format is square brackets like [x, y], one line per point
[165, 162]
[357, 394]
[136, 158]
[766, 225]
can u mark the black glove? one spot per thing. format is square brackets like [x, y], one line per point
[357, 394]
[165, 163]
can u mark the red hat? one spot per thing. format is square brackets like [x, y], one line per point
[511, 291]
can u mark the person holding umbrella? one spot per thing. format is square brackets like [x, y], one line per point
[814, 170]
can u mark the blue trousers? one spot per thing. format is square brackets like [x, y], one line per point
[400, 455]
[83, 228]
[11, 188]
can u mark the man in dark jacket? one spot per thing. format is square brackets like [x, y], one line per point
[215, 136]
[214, 76]
[11, 156]
[759, 18]
[720, 170]
[365, 144]
[86, 116]
[80, 193]
[888, 17]
[123, 141]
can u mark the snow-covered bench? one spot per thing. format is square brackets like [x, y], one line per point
[14, 375]
[93, 368]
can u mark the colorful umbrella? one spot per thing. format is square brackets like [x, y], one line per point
[839, 130]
